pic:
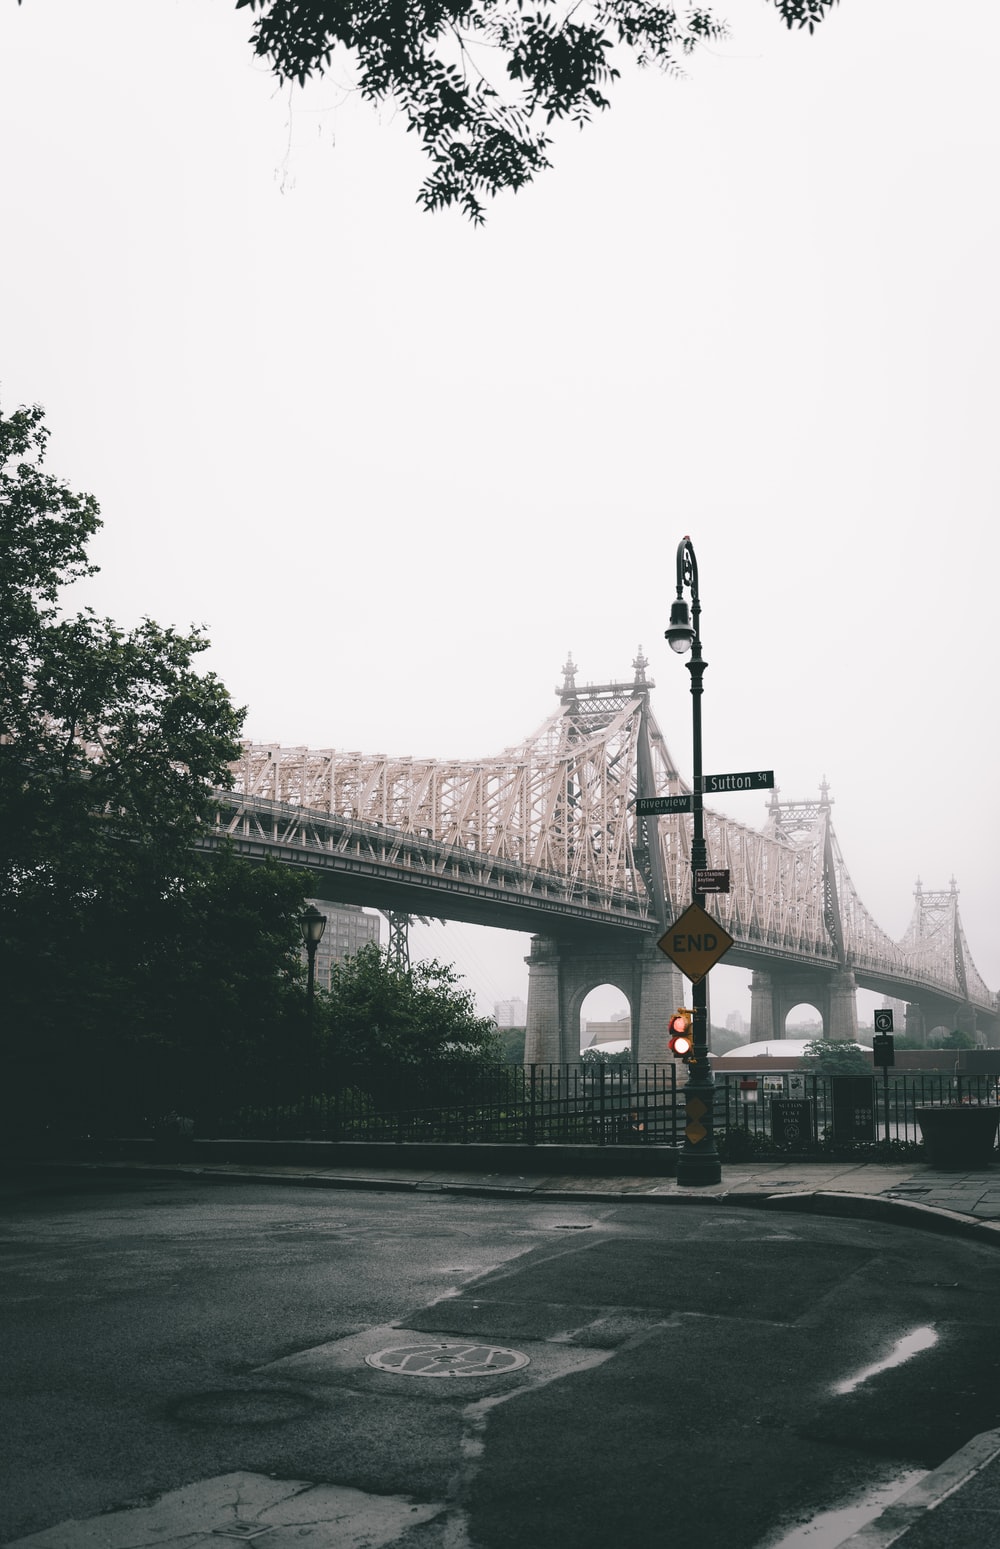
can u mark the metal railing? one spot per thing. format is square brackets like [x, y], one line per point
[854, 1110]
[512, 1104]
[600, 1105]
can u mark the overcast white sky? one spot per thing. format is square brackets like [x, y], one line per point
[399, 466]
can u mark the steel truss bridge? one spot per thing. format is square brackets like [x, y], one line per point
[543, 837]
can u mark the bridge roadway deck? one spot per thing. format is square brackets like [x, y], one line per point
[346, 879]
[389, 868]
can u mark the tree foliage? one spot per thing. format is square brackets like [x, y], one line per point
[833, 1057]
[129, 959]
[108, 736]
[956, 1039]
[378, 1017]
[480, 81]
[612, 1059]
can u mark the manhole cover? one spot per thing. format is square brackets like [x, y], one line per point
[447, 1359]
[254, 1406]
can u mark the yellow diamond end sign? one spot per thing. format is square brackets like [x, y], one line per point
[695, 942]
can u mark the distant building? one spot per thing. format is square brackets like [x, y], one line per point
[511, 1013]
[348, 929]
[736, 1022]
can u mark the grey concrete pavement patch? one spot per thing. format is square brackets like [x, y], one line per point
[346, 1360]
[272, 1513]
[954, 1475]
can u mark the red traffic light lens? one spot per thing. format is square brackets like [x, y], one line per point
[679, 1027]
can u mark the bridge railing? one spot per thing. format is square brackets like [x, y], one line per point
[415, 851]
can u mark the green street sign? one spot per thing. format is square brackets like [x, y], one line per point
[751, 780]
[658, 806]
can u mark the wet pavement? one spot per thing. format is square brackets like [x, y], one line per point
[956, 1502]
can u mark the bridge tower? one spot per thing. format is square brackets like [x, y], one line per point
[563, 970]
[936, 916]
[399, 940]
[832, 988]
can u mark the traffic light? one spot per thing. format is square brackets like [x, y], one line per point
[679, 1029]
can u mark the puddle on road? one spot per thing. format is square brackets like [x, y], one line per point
[903, 1350]
[829, 1528]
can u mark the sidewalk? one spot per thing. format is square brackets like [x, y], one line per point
[964, 1203]
[959, 1502]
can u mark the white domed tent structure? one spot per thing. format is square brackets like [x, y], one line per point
[774, 1054]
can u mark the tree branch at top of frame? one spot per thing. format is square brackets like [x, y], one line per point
[480, 82]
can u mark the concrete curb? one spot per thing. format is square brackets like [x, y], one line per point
[851, 1206]
[875, 1207]
[944, 1481]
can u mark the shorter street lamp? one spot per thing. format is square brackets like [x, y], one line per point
[312, 924]
[699, 1161]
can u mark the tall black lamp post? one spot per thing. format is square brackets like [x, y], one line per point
[312, 925]
[698, 1163]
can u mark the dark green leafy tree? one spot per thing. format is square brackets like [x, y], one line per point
[611, 1059]
[229, 1023]
[834, 1057]
[724, 1039]
[480, 82]
[956, 1039]
[399, 1029]
[132, 963]
[512, 1040]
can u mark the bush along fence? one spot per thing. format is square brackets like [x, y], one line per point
[758, 1116]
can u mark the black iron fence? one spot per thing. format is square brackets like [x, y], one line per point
[513, 1104]
[758, 1114]
[840, 1110]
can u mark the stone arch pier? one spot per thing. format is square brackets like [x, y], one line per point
[561, 974]
[775, 991]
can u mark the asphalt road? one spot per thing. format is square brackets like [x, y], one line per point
[696, 1374]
